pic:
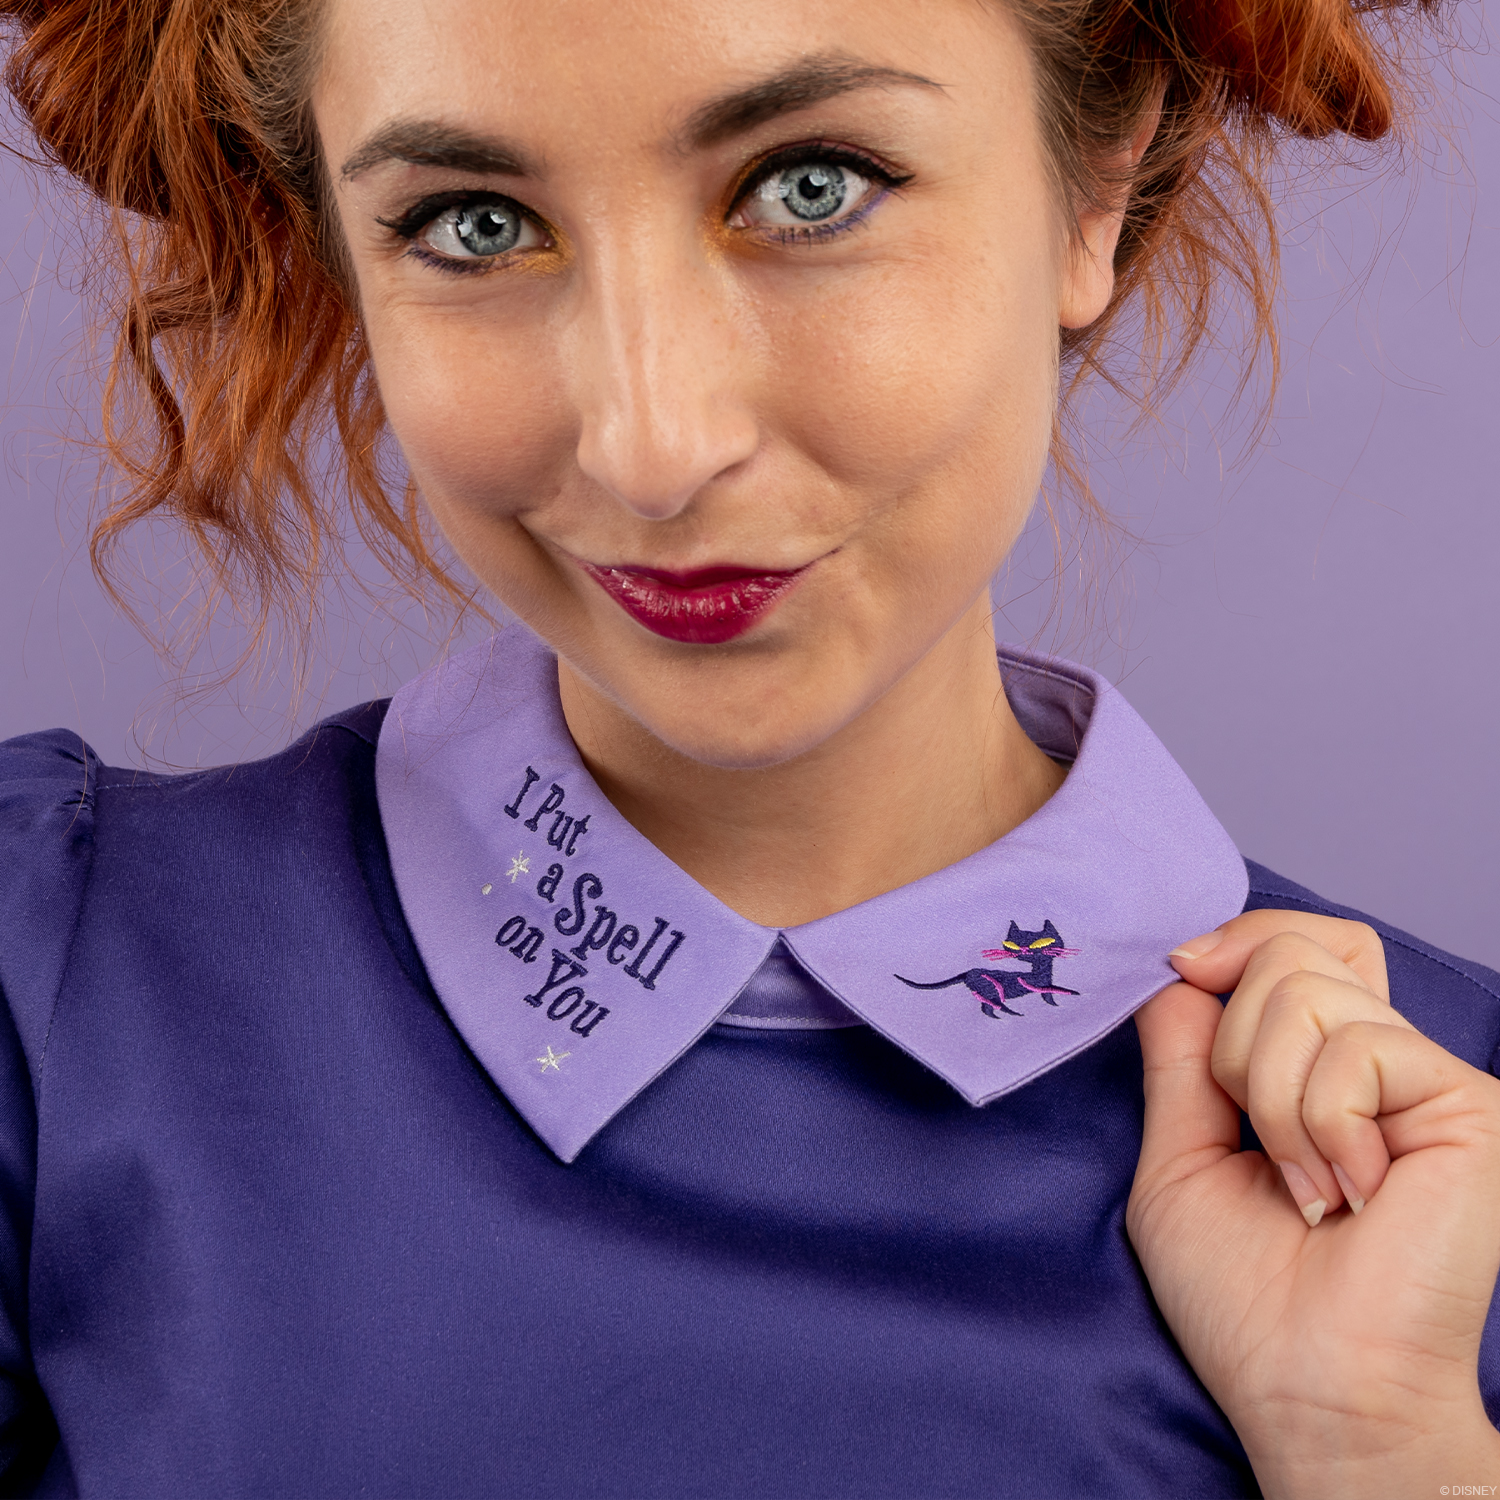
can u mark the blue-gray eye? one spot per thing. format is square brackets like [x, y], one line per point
[482, 231]
[808, 193]
[487, 229]
[814, 191]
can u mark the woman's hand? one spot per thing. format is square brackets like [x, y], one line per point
[1343, 1345]
[1216, 961]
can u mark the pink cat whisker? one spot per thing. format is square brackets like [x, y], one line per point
[1042, 952]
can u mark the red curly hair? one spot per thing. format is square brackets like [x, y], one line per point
[239, 348]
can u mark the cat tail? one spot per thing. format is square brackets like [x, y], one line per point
[942, 984]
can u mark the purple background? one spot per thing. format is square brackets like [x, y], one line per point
[1312, 632]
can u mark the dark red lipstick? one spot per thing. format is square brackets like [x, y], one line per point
[703, 608]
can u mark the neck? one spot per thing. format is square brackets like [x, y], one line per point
[933, 771]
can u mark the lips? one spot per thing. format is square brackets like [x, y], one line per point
[704, 608]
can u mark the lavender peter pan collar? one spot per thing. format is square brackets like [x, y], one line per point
[579, 962]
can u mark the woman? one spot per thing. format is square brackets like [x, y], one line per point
[564, 1080]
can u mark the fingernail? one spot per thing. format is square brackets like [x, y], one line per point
[1198, 946]
[1351, 1193]
[1305, 1191]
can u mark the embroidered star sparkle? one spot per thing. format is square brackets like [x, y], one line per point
[553, 1060]
[518, 866]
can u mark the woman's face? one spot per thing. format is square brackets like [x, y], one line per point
[720, 335]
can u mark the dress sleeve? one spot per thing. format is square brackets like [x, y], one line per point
[47, 784]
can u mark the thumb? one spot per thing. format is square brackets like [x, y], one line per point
[1190, 1121]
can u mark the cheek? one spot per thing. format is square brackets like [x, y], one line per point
[929, 390]
[478, 411]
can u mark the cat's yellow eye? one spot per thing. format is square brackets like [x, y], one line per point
[1043, 942]
[1015, 946]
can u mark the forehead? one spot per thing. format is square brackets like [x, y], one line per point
[607, 68]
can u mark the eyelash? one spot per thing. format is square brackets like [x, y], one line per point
[883, 177]
[409, 225]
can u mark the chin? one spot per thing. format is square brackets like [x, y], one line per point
[744, 740]
[760, 702]
[747, 719]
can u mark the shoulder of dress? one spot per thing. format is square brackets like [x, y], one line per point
[343, 741]
[1454, 1000]
[57, 759]
[66, 818]
[49, 783]
[363, 721]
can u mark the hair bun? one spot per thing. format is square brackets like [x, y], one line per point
[85, 75]
[1310, 64]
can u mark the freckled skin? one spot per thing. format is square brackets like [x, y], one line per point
[661, 385]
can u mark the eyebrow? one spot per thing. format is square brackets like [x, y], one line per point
[805, 83]
[423, 143]
[809, 81]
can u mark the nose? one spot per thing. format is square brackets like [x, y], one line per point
[661, 372]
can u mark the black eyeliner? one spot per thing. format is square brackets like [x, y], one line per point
[420, 214]
[815, 151]
[409, 224]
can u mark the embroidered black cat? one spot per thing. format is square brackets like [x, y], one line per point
[993, 987]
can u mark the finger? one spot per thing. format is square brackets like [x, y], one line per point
[1275, 962]
[1381, 1092]
[1301, 1012]
[1216, 961]
[1190, 1121]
